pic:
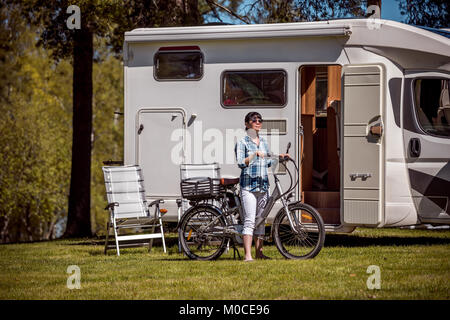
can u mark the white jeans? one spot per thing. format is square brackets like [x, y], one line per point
[253, 204]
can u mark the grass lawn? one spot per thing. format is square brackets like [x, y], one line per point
[414, 264]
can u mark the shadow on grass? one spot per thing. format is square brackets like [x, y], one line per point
[350, 240]
[331, 240]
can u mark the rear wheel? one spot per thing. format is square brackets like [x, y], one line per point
[201, 233]
[305, 240]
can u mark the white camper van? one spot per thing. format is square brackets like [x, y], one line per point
[372, 97]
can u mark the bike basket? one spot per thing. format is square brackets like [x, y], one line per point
[200, 188]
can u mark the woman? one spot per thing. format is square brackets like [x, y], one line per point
[254, 182]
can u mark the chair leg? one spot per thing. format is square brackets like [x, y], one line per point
[107, 236]
[116, 237]
[179, 240]
[150, 244]
[162, 235]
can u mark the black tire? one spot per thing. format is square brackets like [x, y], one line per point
[307, 242]
[199, 240]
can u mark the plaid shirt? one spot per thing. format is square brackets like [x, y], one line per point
[254, 176]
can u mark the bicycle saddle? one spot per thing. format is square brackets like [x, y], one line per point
[229, 181]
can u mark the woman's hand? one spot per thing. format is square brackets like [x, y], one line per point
[285, 155]
[253, 156]
[259, 154]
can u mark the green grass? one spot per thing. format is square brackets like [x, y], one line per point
[414, 264]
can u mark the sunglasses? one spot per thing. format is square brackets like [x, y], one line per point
[256, 120]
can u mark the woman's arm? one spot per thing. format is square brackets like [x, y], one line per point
[243, 161]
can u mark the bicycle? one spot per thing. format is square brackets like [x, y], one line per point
[207, 229]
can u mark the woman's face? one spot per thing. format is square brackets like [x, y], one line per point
[255, 123]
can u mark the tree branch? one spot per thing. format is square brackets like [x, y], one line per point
[230, 12]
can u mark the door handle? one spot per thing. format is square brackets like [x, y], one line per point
[377, 129]
[363, 176]
[414, 147]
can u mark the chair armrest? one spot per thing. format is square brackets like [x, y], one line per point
[158, 201]
[112, 205]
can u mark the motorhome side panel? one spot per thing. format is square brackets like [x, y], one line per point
[211, 129]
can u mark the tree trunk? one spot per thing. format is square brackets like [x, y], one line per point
[79, 214]
[190, 15]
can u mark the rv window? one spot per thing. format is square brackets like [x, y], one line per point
[431, 100]
[178, 65]
[254, 88]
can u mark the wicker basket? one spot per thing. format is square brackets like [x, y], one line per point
[200, 188]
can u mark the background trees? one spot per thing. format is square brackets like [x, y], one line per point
[34, 162]
[429, 13]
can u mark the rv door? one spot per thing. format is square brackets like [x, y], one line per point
[160, 149]
[362, 144]
[426, 134]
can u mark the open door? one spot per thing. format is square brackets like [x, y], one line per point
[362, 145]
[320, 97]
[160, 134]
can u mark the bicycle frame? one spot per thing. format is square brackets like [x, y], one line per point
[276, 195]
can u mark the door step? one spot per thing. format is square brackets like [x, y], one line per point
[326, 202]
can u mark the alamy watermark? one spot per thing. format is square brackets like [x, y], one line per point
[374, 280]
[373, 22]
[74, 280]
[211, 145]
[74, 20]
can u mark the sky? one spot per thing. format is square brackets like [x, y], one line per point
[389, 11]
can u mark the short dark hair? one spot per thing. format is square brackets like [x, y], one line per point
[250, 116]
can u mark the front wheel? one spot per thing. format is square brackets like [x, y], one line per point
[306, 239]
[201, 233]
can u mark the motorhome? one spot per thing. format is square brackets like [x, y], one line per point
[370, 96]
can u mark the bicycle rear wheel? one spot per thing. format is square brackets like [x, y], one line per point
[201, 233]
[305, 240]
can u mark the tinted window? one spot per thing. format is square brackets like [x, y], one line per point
[254, 88]
[178, 65]
[431, 100]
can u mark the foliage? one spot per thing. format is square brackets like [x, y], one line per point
[428, 13]
[277, 11]
[35, 135]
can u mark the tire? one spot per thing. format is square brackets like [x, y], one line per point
[308, 241]
[197, 238]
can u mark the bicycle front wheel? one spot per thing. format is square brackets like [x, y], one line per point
[201, 233]
[306, 239]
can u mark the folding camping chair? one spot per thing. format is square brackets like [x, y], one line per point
[129, 209]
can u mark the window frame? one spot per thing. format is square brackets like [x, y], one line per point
[253, 106]
[180, 50]
[413, 104]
